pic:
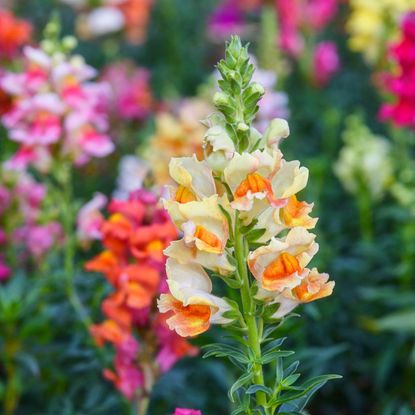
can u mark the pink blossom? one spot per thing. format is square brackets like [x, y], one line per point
[5, 198]
[183, 411]
[402, 85]
[226, 20]
[132, 98]
[326, 62]
[55, 102]
[90, 219]
[318, 13]
[5, 271]
[40, 238]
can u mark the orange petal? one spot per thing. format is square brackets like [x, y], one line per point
[208, 237]
[283, 267]
[255, 183]
[184, 195]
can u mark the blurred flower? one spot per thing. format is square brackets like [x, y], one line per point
[90, 219]
[132, 172]
[326, 62]
[32, 231]
[39, 239]
[131, 97]
[5, 271]
[14, 33]
[182, 411]
[298, 17]
[55, 102]
[365, 160]
[134, 237]
[110, 16]
[227, 19]
[178, 132]
[373, 23]
[402, 85]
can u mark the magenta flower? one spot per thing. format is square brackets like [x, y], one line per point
[41, 238]
[226, 20]
[132, 98]
[5, 271]
[402, 85]
[326, 63]
[183, 411]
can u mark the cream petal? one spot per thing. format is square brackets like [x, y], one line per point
[180, 251]
[289, 179]
[193, 174]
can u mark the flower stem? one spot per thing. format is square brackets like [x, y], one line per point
[241, 252]
[68, 220]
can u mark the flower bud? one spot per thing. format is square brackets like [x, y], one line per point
[220, 99]
[277, 130]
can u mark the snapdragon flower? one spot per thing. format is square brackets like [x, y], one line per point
[134, 237]
[242, 222]
[57, 111]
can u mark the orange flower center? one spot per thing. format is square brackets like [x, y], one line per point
[184, 195]
[284, 266]
[208, 237]
[155, 246]
[255, 183]
[302, 293]
[192, 319]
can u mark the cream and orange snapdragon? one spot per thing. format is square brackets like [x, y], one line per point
[242, 222]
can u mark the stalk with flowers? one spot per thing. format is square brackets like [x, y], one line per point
[243, 224]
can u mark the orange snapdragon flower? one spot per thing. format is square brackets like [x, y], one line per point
[14, 33]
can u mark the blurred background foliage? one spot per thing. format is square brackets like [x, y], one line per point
[365, 331]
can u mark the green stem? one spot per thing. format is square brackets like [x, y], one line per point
[70, 248]
[241, 251]
[365, 214]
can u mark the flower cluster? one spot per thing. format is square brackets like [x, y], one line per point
[131, 98]
[298, 18]
[364, 162]
[238, 209]
[26, 229]
[57, 112]
[401, 84]
[371, 24]
[134, 237]
[14, 33]
[178, 132]
[109, 16]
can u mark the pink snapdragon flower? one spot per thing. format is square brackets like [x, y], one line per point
[5, 270]
[39, 239]
[55, 104]
[183, 411]
[297, 17]
[401, 84]
[226, 20]
[90, 219]
[132, 98]
[326, 63]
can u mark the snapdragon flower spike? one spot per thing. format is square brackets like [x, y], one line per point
[56, 110]
[134, 237]
[241, 219]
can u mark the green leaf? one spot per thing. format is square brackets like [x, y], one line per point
[275, 354]
[401, 321]
[298, 400]
[243, 380]
[254, 235]
[225, 350]
[255, 388]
